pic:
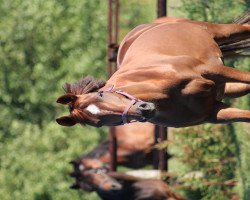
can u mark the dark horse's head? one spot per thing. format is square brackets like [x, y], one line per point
[89, 105]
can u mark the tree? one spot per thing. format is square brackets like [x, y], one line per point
[45, 43]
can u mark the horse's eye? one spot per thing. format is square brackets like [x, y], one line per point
[100, 94]
[70, 107]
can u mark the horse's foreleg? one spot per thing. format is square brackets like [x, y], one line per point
[234, 90]
[221, 73]
[227, 30]
[224, 114]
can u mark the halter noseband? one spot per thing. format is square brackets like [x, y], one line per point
[100, 171]
[133, 102]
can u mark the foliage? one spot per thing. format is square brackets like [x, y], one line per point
[221, 11]
[241, 131]
[34, 165]
[43, 45]
[135, 12]
[210, 155]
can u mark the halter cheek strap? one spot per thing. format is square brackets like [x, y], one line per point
[133, 102]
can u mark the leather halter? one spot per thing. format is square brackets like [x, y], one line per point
[132, 98]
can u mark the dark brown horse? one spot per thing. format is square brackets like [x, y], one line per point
[134, 149]
[125, 187]
[169, 74]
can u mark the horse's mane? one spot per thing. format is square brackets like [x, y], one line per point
[84, 86]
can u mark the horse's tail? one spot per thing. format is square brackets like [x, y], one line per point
[245, 19]
[237, 44]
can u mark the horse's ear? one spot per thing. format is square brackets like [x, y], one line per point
[67, 98]
[66, 121]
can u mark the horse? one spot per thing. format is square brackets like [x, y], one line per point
[170, 74]
[130, 188]
[134, 149]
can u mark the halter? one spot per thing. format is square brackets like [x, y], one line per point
[133, 102]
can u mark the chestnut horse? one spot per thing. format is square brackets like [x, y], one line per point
[170, 74]
[134, 149]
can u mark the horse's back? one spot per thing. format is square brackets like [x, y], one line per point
[130, 38]
[172, 39]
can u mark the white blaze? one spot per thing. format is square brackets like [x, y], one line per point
[93, 109]
[81, 167]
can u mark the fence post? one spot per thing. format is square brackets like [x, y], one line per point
[113, 11]
[161, 133]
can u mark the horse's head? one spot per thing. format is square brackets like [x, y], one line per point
[89, 106]
[95, 179]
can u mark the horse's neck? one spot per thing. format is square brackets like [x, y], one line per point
[143, 85]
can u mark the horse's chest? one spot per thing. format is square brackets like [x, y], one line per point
[187, 104]
[178, 117]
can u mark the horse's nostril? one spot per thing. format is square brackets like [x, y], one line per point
[144, 106]
[115, 186]
[146, 110]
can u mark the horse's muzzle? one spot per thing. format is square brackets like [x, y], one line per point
[146, 109]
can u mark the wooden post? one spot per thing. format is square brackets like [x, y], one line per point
[113, 149]
[161, 8]
[161, 133]
[113, 11]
